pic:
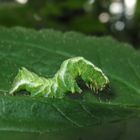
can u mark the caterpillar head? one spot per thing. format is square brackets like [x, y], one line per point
[95, 79]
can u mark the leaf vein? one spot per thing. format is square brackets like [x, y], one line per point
[132, 87]
[38, 47]
[65, 116]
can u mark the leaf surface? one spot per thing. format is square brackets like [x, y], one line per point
[43, 52]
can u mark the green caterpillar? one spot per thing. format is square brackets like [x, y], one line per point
[64, 80]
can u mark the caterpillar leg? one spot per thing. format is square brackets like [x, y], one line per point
[73, 86]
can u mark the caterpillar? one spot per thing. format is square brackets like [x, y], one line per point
[64, 80]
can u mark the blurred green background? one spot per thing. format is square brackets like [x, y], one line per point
[118, 18]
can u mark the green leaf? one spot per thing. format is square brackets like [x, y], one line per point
[42, 52]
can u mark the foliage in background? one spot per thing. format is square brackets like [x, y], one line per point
[69, 15]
